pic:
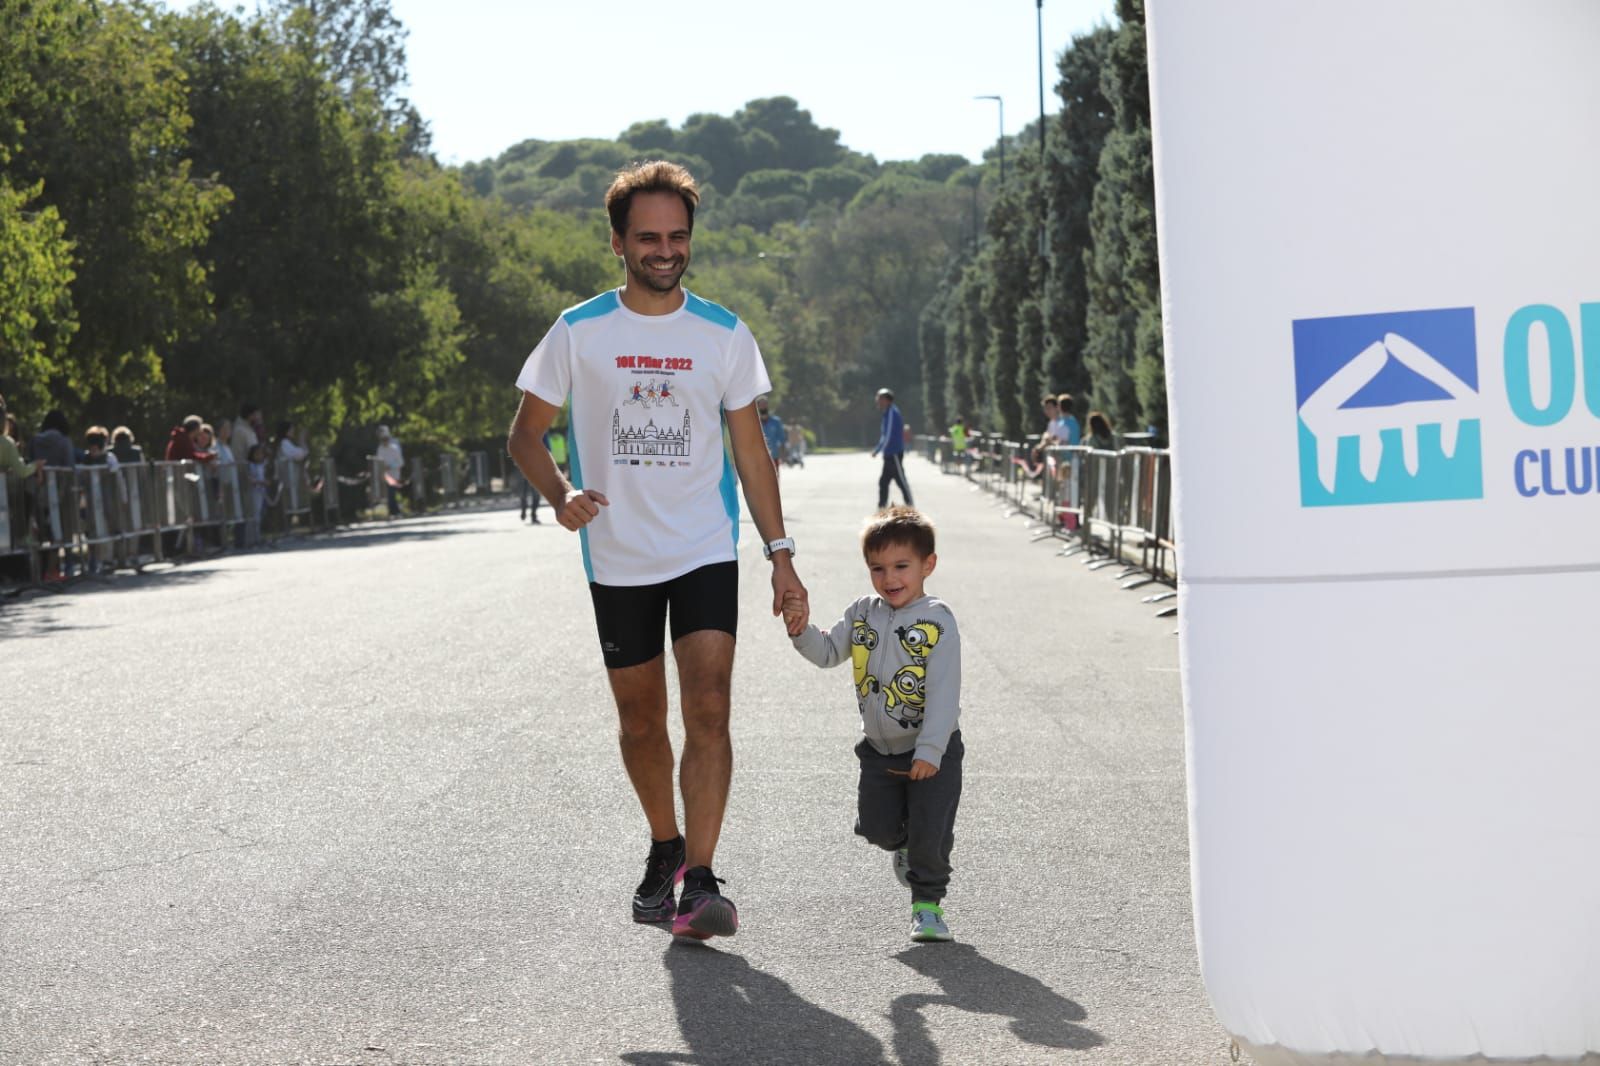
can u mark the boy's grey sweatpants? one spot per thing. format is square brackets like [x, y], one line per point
[893, 812]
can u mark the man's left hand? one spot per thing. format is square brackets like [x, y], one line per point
[785, 582]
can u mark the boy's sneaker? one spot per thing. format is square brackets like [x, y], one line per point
[704, 912]
[927, 923]
[652, 900]
[902, 866]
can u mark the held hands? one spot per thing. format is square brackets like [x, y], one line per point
[794, 612]
[580, 508]
[789, 596]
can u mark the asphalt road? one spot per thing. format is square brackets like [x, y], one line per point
[359, 801]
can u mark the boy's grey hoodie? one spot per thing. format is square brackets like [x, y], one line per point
[907, 666]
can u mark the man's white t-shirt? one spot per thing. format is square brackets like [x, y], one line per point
[648, 395]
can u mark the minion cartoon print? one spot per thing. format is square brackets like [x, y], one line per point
[863, 639]
[906, 695]
[920, 639]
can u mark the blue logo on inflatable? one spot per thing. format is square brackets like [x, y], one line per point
[1388, 407]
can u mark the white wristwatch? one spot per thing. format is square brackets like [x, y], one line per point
[781, 544]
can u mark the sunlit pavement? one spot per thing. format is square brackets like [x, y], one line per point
[359, 801]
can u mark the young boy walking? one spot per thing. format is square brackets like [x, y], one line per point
[906, 655]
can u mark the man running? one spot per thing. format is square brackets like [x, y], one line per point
[892, 443]
[655, 509]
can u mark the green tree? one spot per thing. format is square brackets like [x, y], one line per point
[36, 313]
[654, 135]
[364, 45]
[1076, 140]
[798, 142]
[97, 122]
[1123, 320]
[834, 185]
[765, 184]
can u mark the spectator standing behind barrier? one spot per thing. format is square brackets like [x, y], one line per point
[393, 461]
[124, 447]
[1101, 435]
[183, 445]
[795, 448]
[1060, 428]
[11, 460]
[95, 452]
[287, 444]
[892, 444]
[247, 431]
[53, 445]
[1068, 431]
[19, 481]
[224, 441]
[53, 442]
[255, 493]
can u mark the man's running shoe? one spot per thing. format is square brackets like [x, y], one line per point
[927, 923]
[704, 912]
[652, 900]
[902, 866]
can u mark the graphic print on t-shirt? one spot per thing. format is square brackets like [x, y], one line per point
[649, 440]
[654, 394]
[673, 495]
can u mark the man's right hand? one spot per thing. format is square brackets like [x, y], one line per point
[580, 508]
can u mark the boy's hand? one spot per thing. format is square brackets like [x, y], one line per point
[794, 612]
[921, 770]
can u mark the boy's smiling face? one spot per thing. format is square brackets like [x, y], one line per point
[898, 573]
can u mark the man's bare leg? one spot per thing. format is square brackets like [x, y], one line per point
[641, 695]
[705, 672]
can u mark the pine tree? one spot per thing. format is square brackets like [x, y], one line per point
[1077, 137]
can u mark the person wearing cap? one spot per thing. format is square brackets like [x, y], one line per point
[892, 445]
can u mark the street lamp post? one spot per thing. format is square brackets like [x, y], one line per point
[1039, 18]
[1002, 104]
[1044, 237]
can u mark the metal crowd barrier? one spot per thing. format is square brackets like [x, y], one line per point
[70, 520]
[1112, 507]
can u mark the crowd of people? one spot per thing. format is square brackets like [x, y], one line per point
[243, 443]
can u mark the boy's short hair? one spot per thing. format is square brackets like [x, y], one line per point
[1050, 398]
[898, 525]
[654, 176]
[1064, 401]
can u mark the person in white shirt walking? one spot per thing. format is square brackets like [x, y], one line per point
[393, 461]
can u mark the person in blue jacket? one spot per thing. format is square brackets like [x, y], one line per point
[772, 429]
[892, 444]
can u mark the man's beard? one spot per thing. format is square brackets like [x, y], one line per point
[658, 282]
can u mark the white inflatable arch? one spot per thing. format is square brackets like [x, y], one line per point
[1380, 256]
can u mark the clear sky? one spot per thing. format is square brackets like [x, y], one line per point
[895, 77]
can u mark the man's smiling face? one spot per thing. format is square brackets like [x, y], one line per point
[656, 246]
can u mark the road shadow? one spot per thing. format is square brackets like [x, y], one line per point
[37, 610]
[400, 531]
[1039, 1014]
[732, 1014]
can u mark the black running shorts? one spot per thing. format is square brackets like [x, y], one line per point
[631, 618]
